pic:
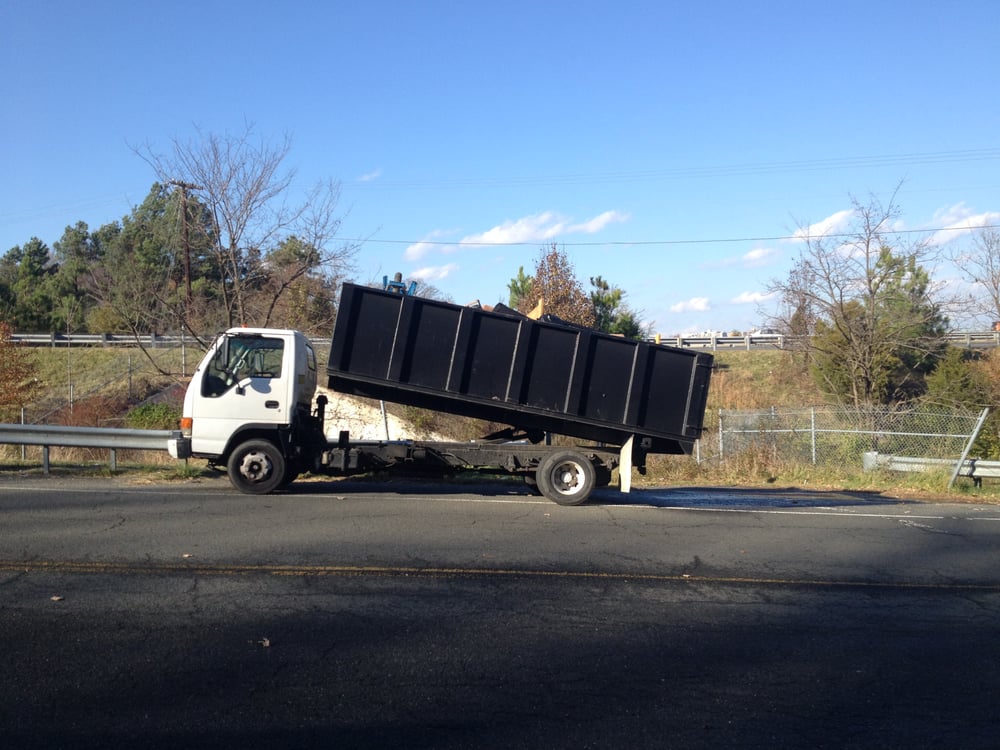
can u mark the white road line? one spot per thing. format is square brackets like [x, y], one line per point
[794, 512]
[847, 513]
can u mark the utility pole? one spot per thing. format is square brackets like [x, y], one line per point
[184, 187]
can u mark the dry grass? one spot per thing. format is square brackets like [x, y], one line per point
[760, 379]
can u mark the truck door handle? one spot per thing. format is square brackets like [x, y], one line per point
[271, 404]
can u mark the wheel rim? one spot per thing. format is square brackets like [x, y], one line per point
[567, 478]
[256, 466]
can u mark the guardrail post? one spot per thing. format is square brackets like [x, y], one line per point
[812, 432]
[114, 460]
[968, 446]
[45, 460]
[722, 442]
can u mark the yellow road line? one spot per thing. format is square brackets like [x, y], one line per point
[304, 571]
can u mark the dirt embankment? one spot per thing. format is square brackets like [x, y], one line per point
[366, 420]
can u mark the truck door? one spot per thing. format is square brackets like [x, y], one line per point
[245, 381]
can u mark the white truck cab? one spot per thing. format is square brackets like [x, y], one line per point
[251, 381]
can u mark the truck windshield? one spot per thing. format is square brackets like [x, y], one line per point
[242, 357]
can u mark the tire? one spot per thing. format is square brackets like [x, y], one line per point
[566, 477]
[257, 467]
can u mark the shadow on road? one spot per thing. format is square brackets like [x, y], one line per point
[733, 497]
[658, 497]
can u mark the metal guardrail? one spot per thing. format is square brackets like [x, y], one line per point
[755, 341]
[112, 438]
[970, 340]
[100, 339]
[151, 341]
[976, 469]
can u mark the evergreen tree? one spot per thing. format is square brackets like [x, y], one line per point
[611, 314]
[519, 288]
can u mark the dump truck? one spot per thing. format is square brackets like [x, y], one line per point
[569, 405]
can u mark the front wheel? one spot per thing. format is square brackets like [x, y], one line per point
[257, 467]
[567, 477]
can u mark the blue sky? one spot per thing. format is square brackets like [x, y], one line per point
[672, 148]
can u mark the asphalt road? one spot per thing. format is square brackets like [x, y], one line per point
[479, 616]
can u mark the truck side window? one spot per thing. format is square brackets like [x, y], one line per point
[244, 357]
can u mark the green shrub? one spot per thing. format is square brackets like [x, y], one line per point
[153, 417]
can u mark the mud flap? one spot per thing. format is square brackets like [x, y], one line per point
[625, 465]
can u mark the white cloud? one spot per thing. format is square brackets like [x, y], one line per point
[599, 222]
[418, 250]
[949, 215]
[433, 273]
[371, 176]
[758, 257]
[541, 227]
[957, 221]
[695, 304]
[536, 228]
[749, 298]
[829, 225]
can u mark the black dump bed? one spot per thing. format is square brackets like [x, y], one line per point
[506, 368]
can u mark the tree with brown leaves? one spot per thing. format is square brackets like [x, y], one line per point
[18, 370]
[555, 285]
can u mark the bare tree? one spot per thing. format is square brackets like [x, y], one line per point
[867, 306]
[980, 265]
[796, 317]
[241, 181]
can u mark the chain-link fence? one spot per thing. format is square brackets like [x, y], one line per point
[831, 435]
[118, 379]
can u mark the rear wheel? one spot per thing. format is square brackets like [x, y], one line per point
[566, 477]
[257, 467]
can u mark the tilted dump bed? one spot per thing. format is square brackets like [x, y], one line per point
[529, 374]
